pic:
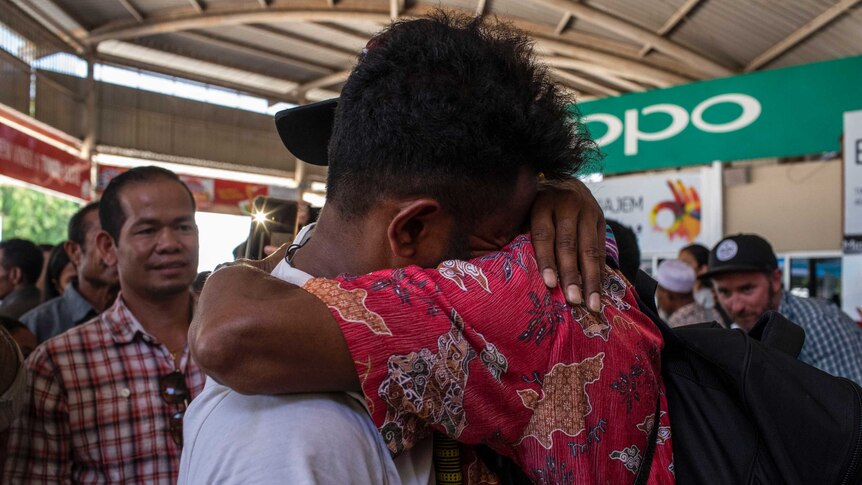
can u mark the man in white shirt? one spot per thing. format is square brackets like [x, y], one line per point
[296, 439]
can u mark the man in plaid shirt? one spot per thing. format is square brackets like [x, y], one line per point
[747, 283]
[106, 398]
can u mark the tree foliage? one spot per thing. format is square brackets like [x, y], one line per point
[30, 214]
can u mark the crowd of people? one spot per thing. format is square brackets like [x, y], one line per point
[459, 312]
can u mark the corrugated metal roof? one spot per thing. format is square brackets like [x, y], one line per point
[842, 38]
[737, 31]
[649, 15]
[298, 41]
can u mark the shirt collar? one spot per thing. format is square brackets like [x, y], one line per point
[122, 324]
[79, 307]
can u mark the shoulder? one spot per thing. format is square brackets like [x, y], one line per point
[79, 339]
[50, 307]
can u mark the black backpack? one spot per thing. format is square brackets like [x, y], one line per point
[744, 410]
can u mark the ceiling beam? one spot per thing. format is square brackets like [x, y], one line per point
[158, 68]
[480, 8]
[623, 70]
[622, 64]
[671, 23]
[263, 3]
[580, 82]
[801, 34]
[303, 42]
[198, 5]
[127, 4]
[343, 31]
[564, 24]
[256, 51]
[395, 7]
[325, 81]
[639, 34]
[614, 80]
[52, 25]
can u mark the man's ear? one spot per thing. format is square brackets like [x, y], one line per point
[73, 249]
[775, 280]
[418, 226]
[16, 276]
[106, 247]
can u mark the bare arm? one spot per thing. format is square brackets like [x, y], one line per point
[260, 335]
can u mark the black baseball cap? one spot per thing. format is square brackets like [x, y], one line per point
[305, 130]
[739, 254]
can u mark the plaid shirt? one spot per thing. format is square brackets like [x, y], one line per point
[95, 412]
[833, 341]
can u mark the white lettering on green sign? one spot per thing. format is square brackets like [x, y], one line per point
[680, 118]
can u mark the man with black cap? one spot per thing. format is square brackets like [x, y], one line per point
[747, 282]
[435, 154]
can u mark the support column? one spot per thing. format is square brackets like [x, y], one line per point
[91, 121]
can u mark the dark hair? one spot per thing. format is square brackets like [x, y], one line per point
[627, 245]
[451, 107]
[200, 280]
[25, 255]
[111, 214]
[57, 262]
[699, 252]
[77, 230]
[11, 324]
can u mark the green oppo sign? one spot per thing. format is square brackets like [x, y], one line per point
[778, 113]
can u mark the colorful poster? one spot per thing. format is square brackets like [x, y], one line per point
[34, 161]
[665, 210]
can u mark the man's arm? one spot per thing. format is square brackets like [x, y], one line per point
[260, 335]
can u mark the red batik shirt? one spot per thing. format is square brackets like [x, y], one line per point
[484, 352]
[95, 414]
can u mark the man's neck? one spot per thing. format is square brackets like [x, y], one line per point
[330, 251]
[167, 319]
[99, 296]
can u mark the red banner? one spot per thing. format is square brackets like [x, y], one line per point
[213, 195]
[31, 160]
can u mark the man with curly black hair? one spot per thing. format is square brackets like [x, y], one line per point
[439, 140]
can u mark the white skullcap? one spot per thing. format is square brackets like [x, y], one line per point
[676, 276]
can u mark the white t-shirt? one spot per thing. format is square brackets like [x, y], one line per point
[294, 439]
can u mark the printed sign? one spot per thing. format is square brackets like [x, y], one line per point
[664, 211]
[763, 114]
[213, 195]
[32, 160]
[851, 263]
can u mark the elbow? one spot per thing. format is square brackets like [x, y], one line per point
[215, 334]
[208, 352]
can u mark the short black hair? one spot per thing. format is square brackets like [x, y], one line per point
[57, 262]
[77, 230]
[111, 214]
[699, 252]
[451, 107]
[627, 245]
[23, 254]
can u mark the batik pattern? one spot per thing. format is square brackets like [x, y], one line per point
[565, 402]
[349, 304]
[456, 270]
[483, 352]
[428, 385]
